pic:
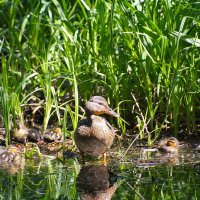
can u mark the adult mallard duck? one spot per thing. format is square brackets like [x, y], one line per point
[94, 135]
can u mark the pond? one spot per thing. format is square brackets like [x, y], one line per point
[128, 175]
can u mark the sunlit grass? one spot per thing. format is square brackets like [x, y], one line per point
[75, 49]
[5, 101]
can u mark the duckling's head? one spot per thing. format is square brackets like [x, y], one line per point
[58, 130]
[173, 142]
[98, 105]
[169, 145]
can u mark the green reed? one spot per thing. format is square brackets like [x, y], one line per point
[4, 95]
[114, 48]
[60, 183]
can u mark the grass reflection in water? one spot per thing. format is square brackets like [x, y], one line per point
[50, 179]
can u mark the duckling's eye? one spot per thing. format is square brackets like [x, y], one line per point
[100, 103]
[171, 143]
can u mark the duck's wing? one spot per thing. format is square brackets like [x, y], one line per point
[83, 129]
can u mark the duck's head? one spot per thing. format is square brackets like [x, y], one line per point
[98, 105]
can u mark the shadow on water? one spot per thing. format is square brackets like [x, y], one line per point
[127, 176]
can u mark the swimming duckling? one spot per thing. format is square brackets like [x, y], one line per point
[169, 145]
[94, 135]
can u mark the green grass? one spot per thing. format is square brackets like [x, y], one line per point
[72, 50]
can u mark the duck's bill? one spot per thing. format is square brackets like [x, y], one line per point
[112, 113]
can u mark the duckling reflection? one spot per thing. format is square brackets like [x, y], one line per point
[96, 182]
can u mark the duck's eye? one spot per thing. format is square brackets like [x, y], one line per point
[100, 103]
[91, 100]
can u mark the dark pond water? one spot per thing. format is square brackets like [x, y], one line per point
[128, 175]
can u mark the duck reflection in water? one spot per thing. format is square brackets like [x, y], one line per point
[96, 182]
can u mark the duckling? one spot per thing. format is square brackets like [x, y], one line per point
[20, 133]
[12, 159]
[169, 145]
[12, 154]
[50, 148]
[94, 135]
[53, 135]
[34, 134]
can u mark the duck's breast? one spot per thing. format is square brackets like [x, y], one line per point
[94, 138]
[103, 131]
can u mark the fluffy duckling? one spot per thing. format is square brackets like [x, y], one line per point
[12, 159]
[53, 135]
[19, 133]
[94, 135]
[12, 154]
[169, 145]
[34, 135]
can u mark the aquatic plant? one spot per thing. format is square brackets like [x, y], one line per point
[71, 50]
